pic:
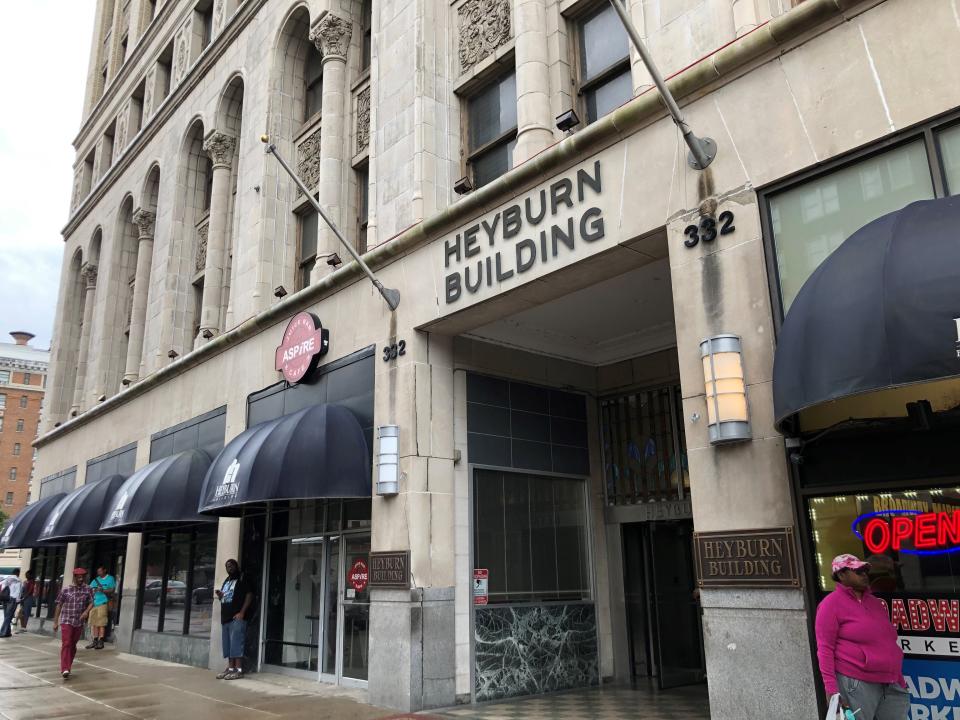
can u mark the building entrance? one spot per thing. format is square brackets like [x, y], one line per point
[663, 608]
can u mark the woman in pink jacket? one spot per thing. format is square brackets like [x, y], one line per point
[857, 646]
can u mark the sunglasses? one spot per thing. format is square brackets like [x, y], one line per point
[859, 571]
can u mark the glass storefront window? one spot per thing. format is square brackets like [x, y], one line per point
[356, 608]
[949, 142]
[530, 533]
[177, 580]
[891, 525]
[47, 565]
[811, 220]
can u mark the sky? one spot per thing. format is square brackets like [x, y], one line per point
[42, 81]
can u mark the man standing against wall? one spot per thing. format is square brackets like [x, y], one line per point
[103, 586]
[236, 597]
[74, 604]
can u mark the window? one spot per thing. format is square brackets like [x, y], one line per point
[177, 581]
[4, 377]
[313, 78]
[123, 49]
[366, 41]
[197, 306]
[23, 401]
[530, 533]
[950, 155]
[9, 498]
[20, 425]
[605, 80]
[492, 119]
[28, 497]
[27, 377]
[149, 11]
[208, 184]
[3, 401]
[363, 207]
[307, 246]
[206, 20]
[1, 423]
[16, 448]
[13, 473]
[164, 74]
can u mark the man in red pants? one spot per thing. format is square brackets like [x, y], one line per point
[74, 604]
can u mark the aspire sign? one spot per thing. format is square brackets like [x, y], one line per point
[304, 342]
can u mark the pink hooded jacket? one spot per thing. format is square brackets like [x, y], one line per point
[855, 638]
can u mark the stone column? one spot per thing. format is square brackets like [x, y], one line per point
[88, 274]
[138, 316]
[642, 80]
[534, 117]
[219, 146]
[331, 35]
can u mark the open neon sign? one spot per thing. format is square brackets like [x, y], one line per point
[926, 533]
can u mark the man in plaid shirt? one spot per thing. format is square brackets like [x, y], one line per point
[74, 604]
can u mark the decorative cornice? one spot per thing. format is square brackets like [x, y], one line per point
[766, 41]
[167, 108]
[219, 147]
[144, 220]
[331, 35]
[88, 273]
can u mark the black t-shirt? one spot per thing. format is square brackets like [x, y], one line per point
[234, 593]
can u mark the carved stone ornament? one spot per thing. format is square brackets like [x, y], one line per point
[308, 161]
[218, 9]
[201, 263]
[484, 26]
[363, 119]
[88, 274]
[120, 139]
[77, 181]
[148, 93]
[144, 220]
[219, 146]
[180, 59]
[331, 35]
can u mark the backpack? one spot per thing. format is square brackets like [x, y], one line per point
[5, 592]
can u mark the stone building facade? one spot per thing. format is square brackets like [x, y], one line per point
[544, 370]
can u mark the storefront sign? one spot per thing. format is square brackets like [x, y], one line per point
[746, 558]
[909, 531]
[304, 342]
[358, 575]
[481, 579]
[535, 231]
[390, 570]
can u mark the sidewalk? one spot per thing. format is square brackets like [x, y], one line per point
[107, 685]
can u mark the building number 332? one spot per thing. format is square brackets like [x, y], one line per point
[708, 229]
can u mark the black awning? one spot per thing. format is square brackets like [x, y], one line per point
[23, 530]
[80, 513]
[880, 312]
[164, 493]
[318, 452]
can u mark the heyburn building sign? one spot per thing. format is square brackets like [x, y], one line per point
[748, 558]
[548, 222]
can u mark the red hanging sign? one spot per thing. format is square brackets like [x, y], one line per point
[358, 575]
[304, 341]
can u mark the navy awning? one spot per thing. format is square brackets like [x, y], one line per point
[22, 531]
[881, 312]
[318, 452]
[80, 513]
[162, 494]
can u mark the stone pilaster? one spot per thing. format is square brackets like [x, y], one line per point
[534, 119]
[220, 147]
[639, 73]
[88, 274]
[331, 35]
[144, 220]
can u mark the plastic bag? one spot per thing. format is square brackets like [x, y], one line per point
[834, 712]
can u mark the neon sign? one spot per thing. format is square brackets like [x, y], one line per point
[925, 533]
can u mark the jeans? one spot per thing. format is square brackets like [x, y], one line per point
[876, 701]
[234, 635]
[9, 608]
[69, 637]
[26, 607]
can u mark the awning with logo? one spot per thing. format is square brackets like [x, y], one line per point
[22, 531]
[80, 513]
[882, 313]
[318, 452]
[162, 494]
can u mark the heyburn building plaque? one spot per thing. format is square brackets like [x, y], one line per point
[390, 570]
[747, 558]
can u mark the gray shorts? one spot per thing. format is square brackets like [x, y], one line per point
[876, 701]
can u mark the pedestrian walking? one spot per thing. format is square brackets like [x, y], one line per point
[104, 586]
[10, 590]
[28, 598]
[74, 604]
[857, 646]
[236, 597]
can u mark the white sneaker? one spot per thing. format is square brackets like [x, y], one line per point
[65, 674]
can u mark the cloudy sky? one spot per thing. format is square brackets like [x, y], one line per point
[42, 77]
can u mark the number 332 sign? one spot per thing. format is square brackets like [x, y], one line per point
[708, 229]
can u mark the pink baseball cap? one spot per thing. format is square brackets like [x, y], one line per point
[848, 562]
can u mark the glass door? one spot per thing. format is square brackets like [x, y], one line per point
[356, 608]
[292, 616]
[331, 610]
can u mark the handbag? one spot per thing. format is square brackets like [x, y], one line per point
[5, 593]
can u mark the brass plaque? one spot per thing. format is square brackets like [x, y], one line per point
[747, 558]
[390, 570]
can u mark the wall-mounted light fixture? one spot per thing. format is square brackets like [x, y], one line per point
[728, 419]
[279, 291]
[207, 333]
[172, 354]
[566, 121]
[334, 260]
[388, 460]
[462, 186]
